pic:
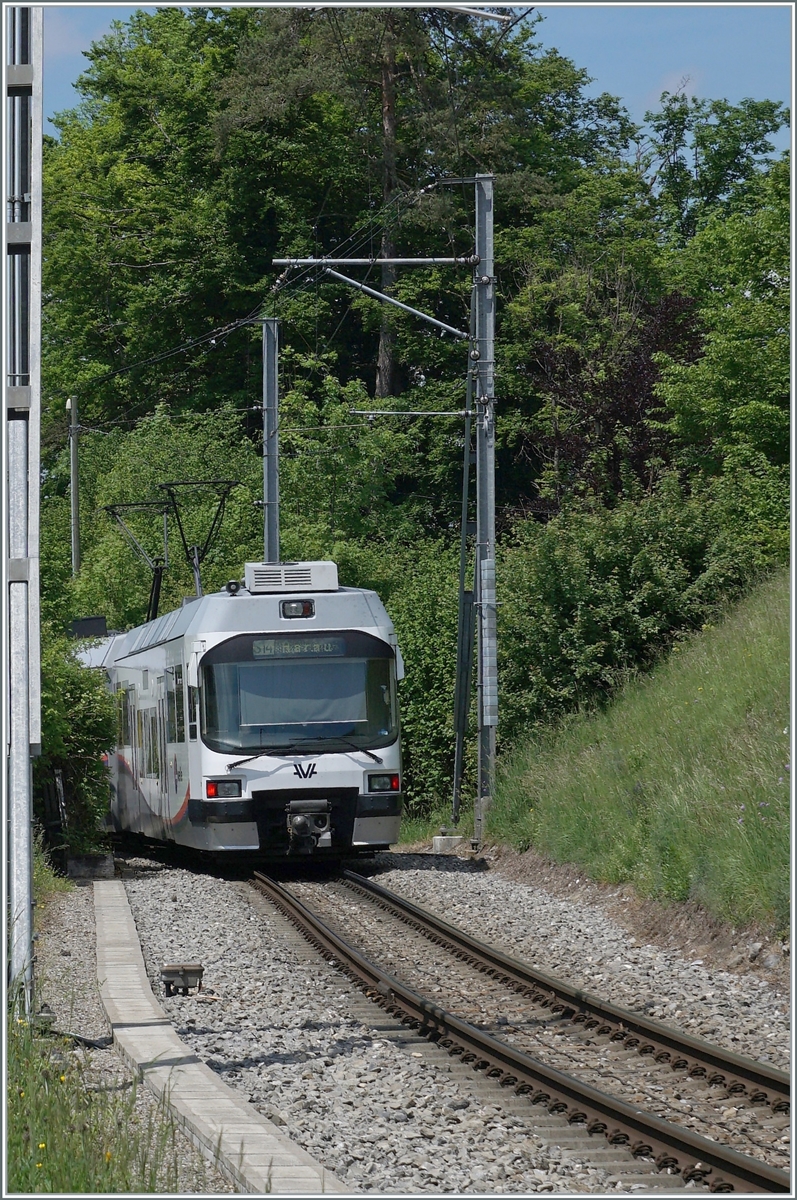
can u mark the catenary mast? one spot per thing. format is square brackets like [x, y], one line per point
[22, 375]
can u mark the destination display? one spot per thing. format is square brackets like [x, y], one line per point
[287, 647]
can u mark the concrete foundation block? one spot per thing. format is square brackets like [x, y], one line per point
[442, 845]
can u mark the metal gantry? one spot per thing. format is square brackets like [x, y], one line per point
[21, 357]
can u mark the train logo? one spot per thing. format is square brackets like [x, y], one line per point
[304, 772]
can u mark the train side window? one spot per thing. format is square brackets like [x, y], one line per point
[153, 757]
[193, 710]
[122, 716]
[179, 692]
[140, 751]
[171, 706]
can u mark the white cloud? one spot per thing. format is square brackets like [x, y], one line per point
[687, 80]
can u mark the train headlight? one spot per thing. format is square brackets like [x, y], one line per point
[223, 789]
[384, 783]
[298, 608]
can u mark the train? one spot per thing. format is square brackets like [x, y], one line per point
[261, 720]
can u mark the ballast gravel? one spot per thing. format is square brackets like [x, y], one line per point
[283, 1028]
[286, 1028]
[581, 944]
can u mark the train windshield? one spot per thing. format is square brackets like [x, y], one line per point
[320, 692]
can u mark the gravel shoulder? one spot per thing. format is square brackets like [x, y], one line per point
[684, 927]
[66, 980]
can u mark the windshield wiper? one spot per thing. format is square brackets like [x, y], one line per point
[362, 749]
[295, 748]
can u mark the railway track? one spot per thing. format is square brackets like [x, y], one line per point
[671, 1146]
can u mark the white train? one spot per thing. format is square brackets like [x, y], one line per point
[262, 719]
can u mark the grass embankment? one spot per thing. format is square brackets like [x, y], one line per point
[681, 785]
[62, 1136]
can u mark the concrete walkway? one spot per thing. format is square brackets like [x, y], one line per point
[247, 1148]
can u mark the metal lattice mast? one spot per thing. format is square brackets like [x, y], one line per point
[484, 283]
[22, 372]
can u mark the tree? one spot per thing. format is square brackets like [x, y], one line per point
[592, 306]
[78, 727]
[701, 151]
[144, 249]
[734, 398]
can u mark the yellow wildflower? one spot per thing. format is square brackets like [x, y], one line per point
[107, 1156]
[42, 1145]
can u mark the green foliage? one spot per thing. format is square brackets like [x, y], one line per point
[418, 587]
[141, 250]
[78, 726]
[46, 882]
[682, 784]
[596, 592]
[735, 397]
[702, 152]
[589, 307]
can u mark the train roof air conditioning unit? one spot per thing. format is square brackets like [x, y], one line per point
[291, 577]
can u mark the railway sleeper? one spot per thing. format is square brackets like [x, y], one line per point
[561, 1010]
[641, 1148]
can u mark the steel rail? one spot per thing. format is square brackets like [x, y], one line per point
[760, 1083]
[673, 1147]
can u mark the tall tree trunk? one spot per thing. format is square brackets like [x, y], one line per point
[386, 356]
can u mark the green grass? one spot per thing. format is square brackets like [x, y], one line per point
[422, 827]
[46, 882]
[680, 785]
[63, 1136]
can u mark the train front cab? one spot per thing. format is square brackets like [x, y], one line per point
[299, 737]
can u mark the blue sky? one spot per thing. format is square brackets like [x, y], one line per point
[634, 51]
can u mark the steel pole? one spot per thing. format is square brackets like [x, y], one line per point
[20, 807]
[465, 631]
[484, 284]
[271, 481]
[74, 483]
[20, 714]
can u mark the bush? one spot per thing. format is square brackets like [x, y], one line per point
[418, 586]
[78, 728]
[598, 591]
